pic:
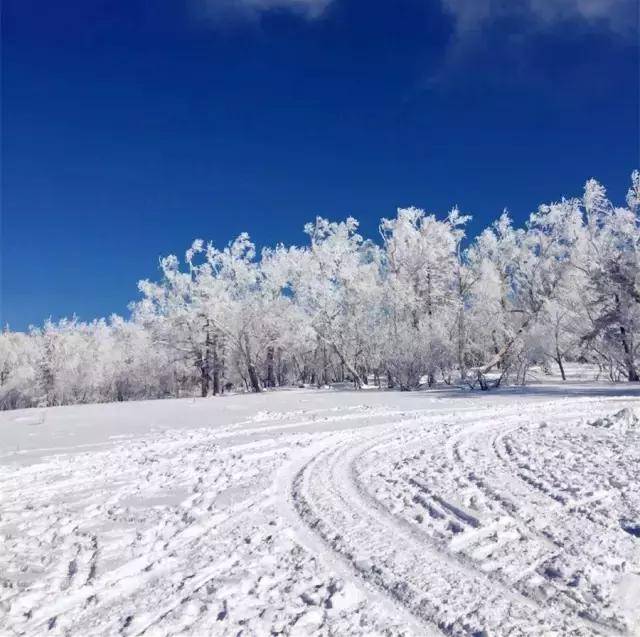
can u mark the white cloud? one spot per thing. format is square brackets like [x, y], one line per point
[619, 16]
[252, 9]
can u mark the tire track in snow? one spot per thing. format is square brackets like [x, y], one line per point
[346, 516]
[388, 553]
[263, 522]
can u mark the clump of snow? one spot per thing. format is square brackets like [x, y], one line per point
[623, 420]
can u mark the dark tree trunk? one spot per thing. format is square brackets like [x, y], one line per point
[205, 363]
[325, 366]
[560, 365]
[253, 377]
[216, 368]
[281, 369]
[632, 373]
[270, 381]
[204, 380]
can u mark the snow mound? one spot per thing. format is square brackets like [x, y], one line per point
[622, 421]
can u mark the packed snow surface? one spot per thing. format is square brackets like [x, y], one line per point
[325, 512]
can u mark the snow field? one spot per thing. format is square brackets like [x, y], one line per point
[340, 513]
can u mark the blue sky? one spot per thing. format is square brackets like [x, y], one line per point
[130, 128]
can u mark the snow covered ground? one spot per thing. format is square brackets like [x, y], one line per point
[325, 512]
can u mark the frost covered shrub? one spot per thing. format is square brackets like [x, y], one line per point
[405, 359]
[18, 386]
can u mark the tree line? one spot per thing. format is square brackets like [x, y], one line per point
[419, 306]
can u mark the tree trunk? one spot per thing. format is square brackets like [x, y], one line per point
[205, 367]
[461, 323]
[204, 380]
[357, 380]
[270, 381]
[632, 373]
[461, 339]
[216, 368]
[560, 365]
[497, 359]
[482, 381]
[251, 368]
[282, 369]
[253, 377]
[496, 349]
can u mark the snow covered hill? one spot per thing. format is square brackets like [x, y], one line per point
[325, 512]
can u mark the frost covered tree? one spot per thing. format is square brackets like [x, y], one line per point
[492, 259]
[417, 308]
[335, 283]
[608, 257]
[18, 369]
[425, 293]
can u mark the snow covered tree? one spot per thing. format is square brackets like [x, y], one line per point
[425, 291]
[609, 258]
[18, 365]
[415, 309]
[335, 284]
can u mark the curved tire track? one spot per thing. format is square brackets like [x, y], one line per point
[438, 584]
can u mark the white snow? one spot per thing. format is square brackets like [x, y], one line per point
[309, 512]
